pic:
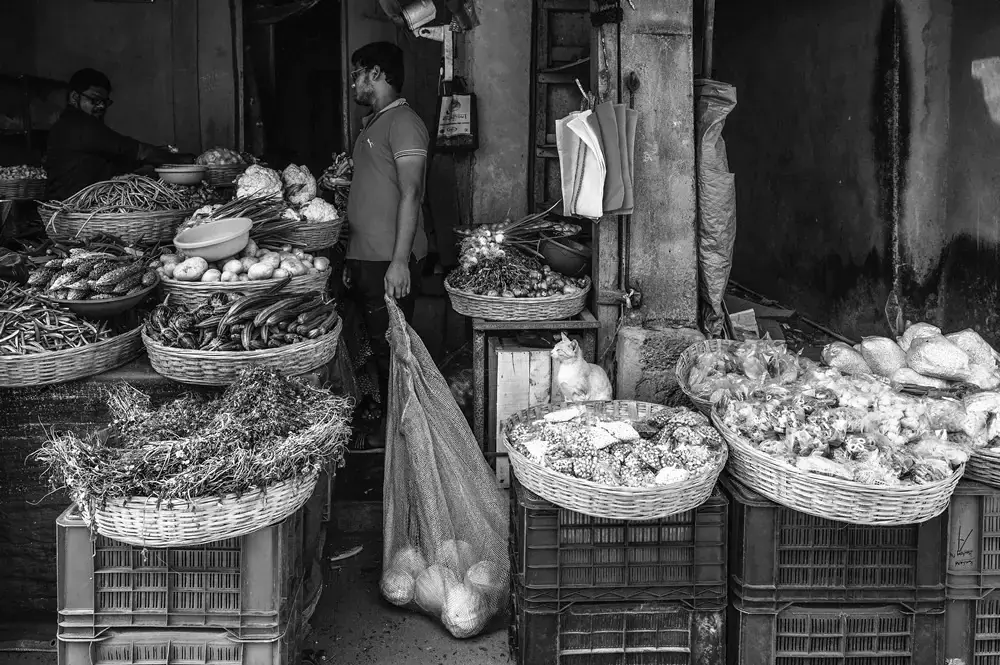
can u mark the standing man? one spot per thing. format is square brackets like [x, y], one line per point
[83, 150]
[387, 242]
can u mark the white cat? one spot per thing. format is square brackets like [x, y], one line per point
[578, 380]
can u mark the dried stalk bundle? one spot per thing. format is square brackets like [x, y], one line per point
[264, 429]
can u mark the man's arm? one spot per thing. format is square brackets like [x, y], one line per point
[410, 175]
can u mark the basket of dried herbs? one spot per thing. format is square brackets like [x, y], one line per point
[201, 469]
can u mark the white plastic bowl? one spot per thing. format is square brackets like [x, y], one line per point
[182, 174]
[215, 240]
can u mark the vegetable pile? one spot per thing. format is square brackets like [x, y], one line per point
[268, 215]
[252, 265]
[23, 172]
[123, 194]
[264, 429]
[30, 324]
[666, 447]
[229, 322]
[90, 274]
[220, 157]
[753, 365]
[337, 178]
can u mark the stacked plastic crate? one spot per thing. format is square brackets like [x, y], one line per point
[810, 591]
[588, 591]
[973, 610]
[232, 602]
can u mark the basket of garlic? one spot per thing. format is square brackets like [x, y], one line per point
[616, 459]
[193, 280]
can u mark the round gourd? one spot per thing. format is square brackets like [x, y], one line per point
[397, 586]
[432, 588]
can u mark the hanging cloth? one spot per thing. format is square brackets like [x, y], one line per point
[581, 164]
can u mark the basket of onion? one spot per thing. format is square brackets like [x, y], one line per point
[502, 281]
[193, 280]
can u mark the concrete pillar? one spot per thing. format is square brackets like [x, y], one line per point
[656, 43]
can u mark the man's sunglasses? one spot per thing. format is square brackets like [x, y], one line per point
[98, 101]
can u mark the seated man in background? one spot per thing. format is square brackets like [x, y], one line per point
[83, 150]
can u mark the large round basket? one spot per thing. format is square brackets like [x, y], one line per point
[22, 189]
[195, 293]
[984, 467]
[41, 369]
[133, 227]
[225, 175]
[687, 361]
[147, 522]
[493, 308]
[221, 368]
[312, 236]
[833, 498]
[596, 500]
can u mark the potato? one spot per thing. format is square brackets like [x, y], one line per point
[321, 263]
[279, 273]
[298, 253]
[249, 250]
[242, 278]
[168, 269]
[307, 257]
[272, 260]
[287, 255]
[234, 266]
[191, 270]
[294, 267]
[228, 276]
[248, 261]
[286, 248]
[170, 258]
[260, 271]
[212, 275]
[262, 252]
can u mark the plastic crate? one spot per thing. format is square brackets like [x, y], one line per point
[616, 633]
[243, 585]
[181, 647]
[973, 541]
[835, 634]
[779, 555]
[972, 627]
[564, 555]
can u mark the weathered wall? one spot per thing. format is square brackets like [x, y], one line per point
[170, 62]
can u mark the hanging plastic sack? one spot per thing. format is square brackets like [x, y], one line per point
[445, 525]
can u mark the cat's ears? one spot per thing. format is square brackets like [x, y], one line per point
[563, 336]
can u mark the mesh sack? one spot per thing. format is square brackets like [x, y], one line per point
[883, 355]
[917, 331]
[445, 525]
[938, 357]
[978, 350]
[846, 359]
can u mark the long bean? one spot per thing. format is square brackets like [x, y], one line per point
[30, 324]
[129, 193]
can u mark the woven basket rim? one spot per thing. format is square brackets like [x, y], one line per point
[119, 216]
[30, 181]
[817, 484]
[500, 300]
[236, 286]
[193, 354]
[65, 353]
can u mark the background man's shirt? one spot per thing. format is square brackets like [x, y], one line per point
[83, 150]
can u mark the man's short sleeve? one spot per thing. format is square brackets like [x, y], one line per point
[106, 141]
[408, 136]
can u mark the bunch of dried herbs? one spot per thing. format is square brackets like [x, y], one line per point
[264, 429]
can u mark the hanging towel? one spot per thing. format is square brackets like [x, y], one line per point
[614, 187]
[581, 162]
[628, 161]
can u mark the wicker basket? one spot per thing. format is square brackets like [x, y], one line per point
[42, 369]
[195, 293]
[590, 498]
[314, 236]
[146, 227]
[984, 467]
[22, 189]
[145, 522]
[832, 498]
[687, 361]
[221, 368]
[494, 308]
[224, 176]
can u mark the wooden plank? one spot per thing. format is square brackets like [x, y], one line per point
[564, 5]
[539, 106]
[184, 47]
[582, 321]
[523, 379]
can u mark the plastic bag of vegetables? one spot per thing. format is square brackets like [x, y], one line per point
[445, 525]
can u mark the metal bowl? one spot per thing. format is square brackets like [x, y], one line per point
[183, 174]
[106, 308]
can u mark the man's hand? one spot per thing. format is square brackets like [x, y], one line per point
[397, 280]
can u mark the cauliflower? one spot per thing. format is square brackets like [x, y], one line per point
[206, 211]
[258, 181]
[319, 210]
[292, 214]
[300, 185]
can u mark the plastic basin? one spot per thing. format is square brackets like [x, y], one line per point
[182, 175]
[215, 240]
[567, 256]
[106, 308]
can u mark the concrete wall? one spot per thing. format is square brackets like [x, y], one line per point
[811, 144]
[170, 62]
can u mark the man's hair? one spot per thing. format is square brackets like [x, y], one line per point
[85, 79]
[386, 56]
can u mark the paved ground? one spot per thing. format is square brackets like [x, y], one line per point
[352, 625]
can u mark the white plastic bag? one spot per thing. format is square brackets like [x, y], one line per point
[841, 356]
[938, 357]
[883, 355]
[445, 526]
[917, 331]
[975, 347]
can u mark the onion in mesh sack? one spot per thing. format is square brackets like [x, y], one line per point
[410, 560]
[397, 586]
[457, 555]
[489, 579]
[466, 611]
[432, 588]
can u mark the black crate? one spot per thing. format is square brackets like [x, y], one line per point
[972, 628]
[835, 634]
[779, 555]
[973, 541]
[616, 633]
[563, 555]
